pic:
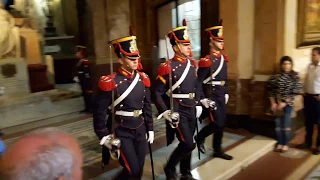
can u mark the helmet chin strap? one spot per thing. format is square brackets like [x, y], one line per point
[126, 66]
[214, 47]
[180, 50]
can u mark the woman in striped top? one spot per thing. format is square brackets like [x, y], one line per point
[282, 88]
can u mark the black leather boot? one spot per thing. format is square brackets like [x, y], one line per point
[222, 155]
[170, 167]
[185, 167]
[200, 145]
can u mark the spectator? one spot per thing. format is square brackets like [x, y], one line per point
[312, 100]
[282, 89]
[44, 154]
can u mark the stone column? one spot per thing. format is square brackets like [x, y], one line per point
[229, 14]
[70, 12]
[268, 38]
[94, 29]
[268, 49]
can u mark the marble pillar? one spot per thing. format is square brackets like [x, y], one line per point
[31, 46]
[268, 38]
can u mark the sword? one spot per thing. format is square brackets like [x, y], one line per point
[197, 128]
[112, 104]
[111, 72]
[173, 124]
[210, 91]
[150, 153]
[151, 158]
[170, 76]
[116, 142]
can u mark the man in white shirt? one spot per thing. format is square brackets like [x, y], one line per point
[312, 99]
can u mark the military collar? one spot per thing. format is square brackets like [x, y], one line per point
[216, 54]
[84, 61]
[126, 73]
[180, 59]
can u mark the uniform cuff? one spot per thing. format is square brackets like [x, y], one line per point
[150, 126]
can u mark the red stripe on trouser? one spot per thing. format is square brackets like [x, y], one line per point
[123, 157]
[125, 161]
[181, 135]
[211, 117]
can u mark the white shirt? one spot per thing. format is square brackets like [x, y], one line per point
[312, 82]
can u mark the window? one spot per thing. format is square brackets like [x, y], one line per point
[167, 19]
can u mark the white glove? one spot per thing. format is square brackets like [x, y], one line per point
[76, 79]
[173, 118]
[208, 103]
[110, 141]
[198, 111]
[205, 102]
[226, 96]
[150, 137]
[106, 141]
[167, 115]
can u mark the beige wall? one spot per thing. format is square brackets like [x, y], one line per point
[229, 14]
[239, 36]
[246, 35]
[300, 56]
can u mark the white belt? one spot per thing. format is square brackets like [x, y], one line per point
[184, 96]
[80, 72]
[220, 83]
[135, 113]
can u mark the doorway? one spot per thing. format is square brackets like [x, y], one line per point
[170, 16]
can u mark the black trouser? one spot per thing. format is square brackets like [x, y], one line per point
[87, 96]
[312, 115]
[184, 133]
[132, 151]
[216, 124]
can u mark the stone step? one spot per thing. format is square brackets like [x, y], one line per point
[82, 130]
[161, 155]
[17, 114]
[244, 155]
[72, 119]
[308, 170]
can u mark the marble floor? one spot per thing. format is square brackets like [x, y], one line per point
[28, 108]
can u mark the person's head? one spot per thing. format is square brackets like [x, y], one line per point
[286, 64]
[182, 49]
[315, 55]
[81, 52]
[127, 52]
[179, 39]
[46, 153]
[128, 63]
[216, 44]
[215, 35]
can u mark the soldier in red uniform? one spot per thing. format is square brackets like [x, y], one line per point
[185, 99]
[212, 75]
[132, 109]
[83, 70]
